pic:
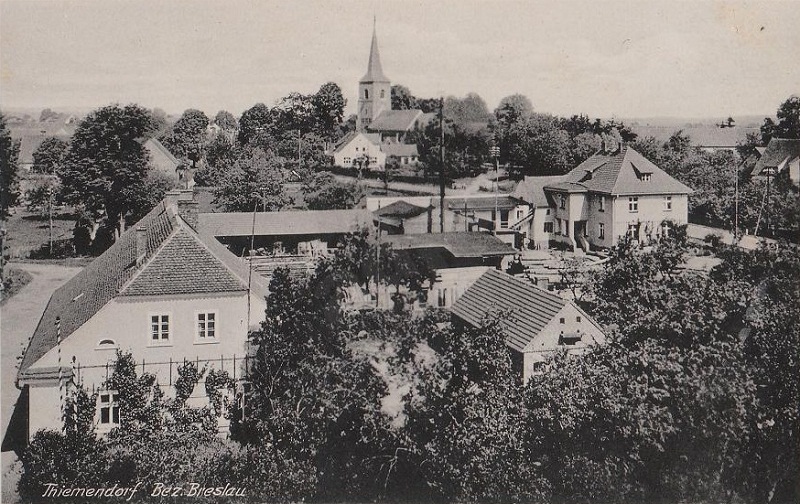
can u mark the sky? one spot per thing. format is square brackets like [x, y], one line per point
[604, 59]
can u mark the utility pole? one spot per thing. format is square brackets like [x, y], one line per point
[769, 173]
[495, 152]
[441, 165]
[736, 203]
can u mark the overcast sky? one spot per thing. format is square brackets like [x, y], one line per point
[623, 59]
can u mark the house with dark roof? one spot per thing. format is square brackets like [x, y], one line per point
[535, 322]
[616, 194]
[164, 162]
[780, 158]
[165, 292]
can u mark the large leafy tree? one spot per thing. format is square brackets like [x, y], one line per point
[106, 163]
[9, 164]
[254, 122]
[328, 109]
[187, 137]
[322, 191]
[226, 121]
[49, 155]
[788, 125]
[253, 181]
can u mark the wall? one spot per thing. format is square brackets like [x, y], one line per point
[356, 147]
[44, 408]
[650, 214]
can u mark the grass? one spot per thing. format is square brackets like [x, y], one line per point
[15, 280]
[29, 231]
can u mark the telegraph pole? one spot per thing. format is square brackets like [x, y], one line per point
[441, 165]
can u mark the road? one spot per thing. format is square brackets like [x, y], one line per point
[18, 319]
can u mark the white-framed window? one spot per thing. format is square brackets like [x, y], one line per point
[563, 201]
[106, 344]
[442, 298]
[503, 219]
[645, 177]
[601, 231]
[383, 93]
[347, 161]
[366, 94]
[633, 204]
[601, 202]
[207, 326]
[159, 328]
[108, 408]
[548, 227]
[668, 203]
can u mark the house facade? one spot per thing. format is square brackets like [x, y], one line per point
[781, 158]
[163, 292]
[612, 196]
[536, 322]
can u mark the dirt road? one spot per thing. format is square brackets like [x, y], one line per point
[18, 319]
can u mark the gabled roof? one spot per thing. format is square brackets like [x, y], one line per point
[619, 173]
[154, 146]
[526, 309]
[293, 222]
[176, 261]
[374, 138]
[374, 68]
[400, 209]
[531, 189]
[399, 149]
[395, 120]
[778, 150]
[484, 201]
[29, 143]
[459, 244]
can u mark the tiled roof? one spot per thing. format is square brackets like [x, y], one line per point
[459, 244]
[531, 189]
[296, 222]
[374, 138]
[400, 209]
[399, 149]
[526, 309]
[29, 143]
[79, 299]
[618, 174]
[778, 150]
[153, 145]
[183, 266]
[395, 120]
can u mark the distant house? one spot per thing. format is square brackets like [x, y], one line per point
[362, 150]
[780, 158]
[709, 138]
[539, 226]
[164, 162]
[164, 292]
[536, 322]
[614, 195]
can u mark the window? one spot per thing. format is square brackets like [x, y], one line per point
[563, 201]
[383, 93]
[109, 408]
[207, 326]
[442, 301]
[601, 202]
[645, 177]
[366, 94]
[159, 328]
[106, 344]
[633, 203]
[562, 320]
[347, 161]
[548, 227]
[503, 219]
[578, 318]
[667, 203]
[601, 228]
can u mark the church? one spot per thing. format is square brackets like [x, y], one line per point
[381, 132]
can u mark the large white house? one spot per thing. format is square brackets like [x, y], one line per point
[164, 292]
[616, 194]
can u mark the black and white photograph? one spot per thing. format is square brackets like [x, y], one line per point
[400, 252]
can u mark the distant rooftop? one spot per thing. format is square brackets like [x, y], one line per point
[297, 222]
[458, 244]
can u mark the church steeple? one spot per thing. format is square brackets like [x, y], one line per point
[374, 89]
[374, 68]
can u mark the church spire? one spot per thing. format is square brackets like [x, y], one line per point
[374, 69]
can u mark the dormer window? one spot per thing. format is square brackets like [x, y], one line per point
[645, 177]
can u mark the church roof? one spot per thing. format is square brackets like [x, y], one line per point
[395, 120]
[374, 68]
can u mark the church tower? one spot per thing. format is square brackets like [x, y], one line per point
[374, 89]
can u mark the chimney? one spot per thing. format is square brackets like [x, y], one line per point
[187, 208]
[171, 197]
[141, 244]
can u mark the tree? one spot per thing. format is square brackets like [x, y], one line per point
[48, 156]
[402, 99]
[226, 121]
[254, 181]
[323, 192]
[187, 138]
[328, 105]
[106, 162]
[42, 196]
[254, 122]
[9, 178]
[788, 125]
[533, 145]
[513, 108]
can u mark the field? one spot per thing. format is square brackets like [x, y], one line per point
[29, 232]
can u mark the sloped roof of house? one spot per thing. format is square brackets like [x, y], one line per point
[153, 145]
[176, 261]
[30, 142]
[531, 189]
[374, 138]
[395, 120]
[482, 202]
[293, 222]
[399, 149]
[778, 150]
[459, 244]
[526, 309]
[700, 136]
[401, 209]
[618, 173]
